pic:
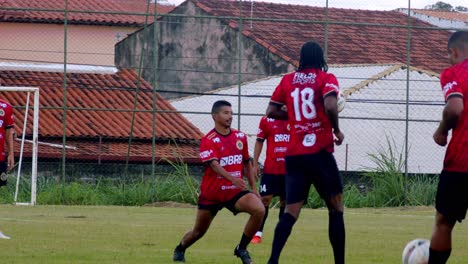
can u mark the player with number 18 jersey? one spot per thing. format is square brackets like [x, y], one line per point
[302, 92]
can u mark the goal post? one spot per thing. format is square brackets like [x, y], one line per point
[34, 141]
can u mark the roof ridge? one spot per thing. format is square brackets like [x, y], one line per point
[372, 79]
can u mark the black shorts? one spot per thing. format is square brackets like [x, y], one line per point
[230, 205]
[3, 168]
[452, 195]
[319, 169]
[273, 184]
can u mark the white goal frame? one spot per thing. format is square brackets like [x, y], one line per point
[34, 142]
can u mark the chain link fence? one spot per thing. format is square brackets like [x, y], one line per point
[123, 97]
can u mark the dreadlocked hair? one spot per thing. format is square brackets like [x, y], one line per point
[312, 57]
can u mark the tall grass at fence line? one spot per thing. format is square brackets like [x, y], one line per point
[178, 185]
[387, 186]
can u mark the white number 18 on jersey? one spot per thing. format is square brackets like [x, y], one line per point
[304, 103]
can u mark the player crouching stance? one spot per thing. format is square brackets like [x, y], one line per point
[225, 153]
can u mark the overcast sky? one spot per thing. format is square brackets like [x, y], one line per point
[357, 4]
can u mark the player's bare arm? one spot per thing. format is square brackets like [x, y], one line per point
[452, 112]
[257, 150]
[249, 170]
[238, 182]
[276, 111]
[11, 155]
[331, 109]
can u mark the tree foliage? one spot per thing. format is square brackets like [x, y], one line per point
[442, 6]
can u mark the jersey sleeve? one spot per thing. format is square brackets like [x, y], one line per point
[262, 129]
[207, 150]
[9, 117]
[450, 84]
[279, 95]
[331, 85]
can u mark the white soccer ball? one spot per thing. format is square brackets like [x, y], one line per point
[341, 102]
[416, 252]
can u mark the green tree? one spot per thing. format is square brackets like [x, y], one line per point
[461, 9]
[442, 6]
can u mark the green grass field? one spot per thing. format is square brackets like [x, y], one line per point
[95, 234]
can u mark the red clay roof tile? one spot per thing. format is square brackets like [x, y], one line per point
[443, 14]
[113, 151]
[369, 40]
[97, 110]
[118, 6]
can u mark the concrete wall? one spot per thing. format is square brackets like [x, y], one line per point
[41, 43]
[196, 55]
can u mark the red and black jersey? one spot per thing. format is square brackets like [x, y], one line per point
[276, 134]
[231, 151]
[302, 92]
[7, 120]
[454, 81]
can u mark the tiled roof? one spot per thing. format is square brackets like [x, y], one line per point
[100, 106]
[118, 6]
[106, 100]
[443, 14]
[372, 41]
[114, 151]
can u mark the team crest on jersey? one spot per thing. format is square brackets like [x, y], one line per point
[2, 112]
[239, 145]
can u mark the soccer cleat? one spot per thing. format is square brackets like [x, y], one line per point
[243, 254]
[3, 236]
[256, 240]
[179, 255]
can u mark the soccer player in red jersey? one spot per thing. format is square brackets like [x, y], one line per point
[225, 153]
[7, 122]
[310, 96]
[272, 183]
[452, 191]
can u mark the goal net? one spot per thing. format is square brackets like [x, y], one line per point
[25, 103]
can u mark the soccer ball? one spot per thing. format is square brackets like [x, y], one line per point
[416, 252]
[341, 102]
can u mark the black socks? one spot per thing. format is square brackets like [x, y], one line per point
[337, 236]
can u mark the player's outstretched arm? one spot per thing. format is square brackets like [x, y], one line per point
[452, 112]
[238, 182]
[276, 111]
